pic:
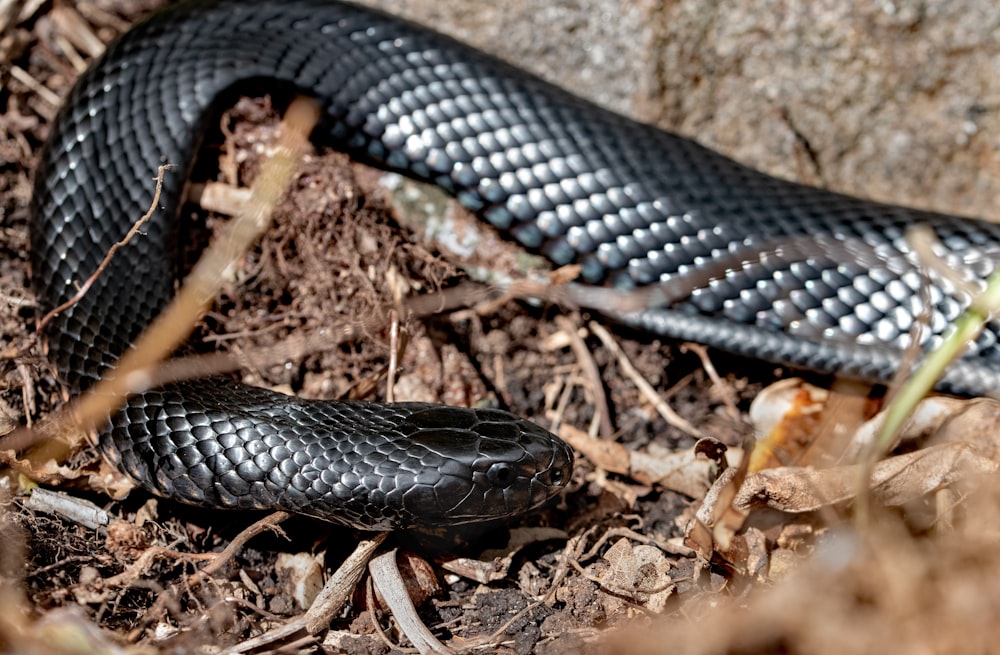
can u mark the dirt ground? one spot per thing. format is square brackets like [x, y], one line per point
[612, 565]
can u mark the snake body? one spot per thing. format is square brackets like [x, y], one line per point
[772, 269]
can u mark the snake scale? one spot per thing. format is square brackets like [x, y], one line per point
[768, 268]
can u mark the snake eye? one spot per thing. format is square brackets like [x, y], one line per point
[501, 475]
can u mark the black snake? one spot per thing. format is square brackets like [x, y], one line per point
[768, 268]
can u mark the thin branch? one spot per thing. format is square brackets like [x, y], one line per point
[268, 523]
[85, 287]
[645, 388]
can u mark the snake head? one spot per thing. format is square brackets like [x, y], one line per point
[485, 464]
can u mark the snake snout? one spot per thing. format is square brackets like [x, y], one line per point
[494, 465]
[520, 466]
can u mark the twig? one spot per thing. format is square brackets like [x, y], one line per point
[647, 390]
[135, 570]
[341, 584]
[289, 629]
[270, 522]
[724, 390]
[168, 597]
[72, 26]
[27, 391]
[36, 87]
[8, 12]
[389, 582]
[294, 347]
[85, 287]
[921, 239]
[395, 350]
[590, 372]
[77, 510]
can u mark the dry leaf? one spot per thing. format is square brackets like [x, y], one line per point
[894, 481]
[494, 565]
[801, 424]
[683, 471]
[640, 571]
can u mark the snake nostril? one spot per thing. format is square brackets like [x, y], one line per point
[501, 475]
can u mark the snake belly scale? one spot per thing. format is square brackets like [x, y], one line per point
[776, 270]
